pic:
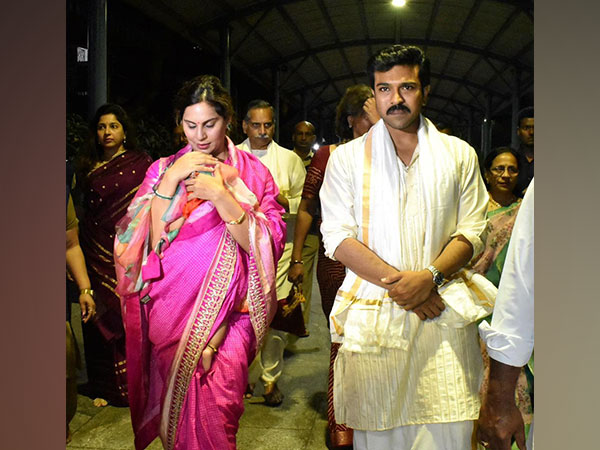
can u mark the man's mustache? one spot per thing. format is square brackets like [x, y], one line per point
[263, 136]
[398, 107]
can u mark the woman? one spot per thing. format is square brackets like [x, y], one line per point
[196, 256]
[355, 114]
[109, 173]
[501, 173]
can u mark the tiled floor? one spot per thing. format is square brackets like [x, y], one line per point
[300, 423]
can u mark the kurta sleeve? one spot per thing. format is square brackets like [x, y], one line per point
[337, 201]
[297, 173]
[510, 337]
[473, 202]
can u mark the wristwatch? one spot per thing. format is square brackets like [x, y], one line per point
[438, 277]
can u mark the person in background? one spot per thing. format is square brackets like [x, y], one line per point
[304, 138]
[526, 144]
[355, 114]
[108, 176]
[288, 172]
[500, 171]
[77, 271]
[195, 257]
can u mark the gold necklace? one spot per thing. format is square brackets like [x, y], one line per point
[498, 205]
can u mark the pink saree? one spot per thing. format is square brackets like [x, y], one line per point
[174, 298]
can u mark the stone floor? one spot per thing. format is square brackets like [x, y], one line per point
[300, 423]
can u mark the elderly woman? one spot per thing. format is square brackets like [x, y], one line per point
[196, 256]
[109, 171]
[501, 172]
[355, 114]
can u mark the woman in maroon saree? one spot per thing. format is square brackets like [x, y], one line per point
[196, 256]
[108, 177]
[355, 114]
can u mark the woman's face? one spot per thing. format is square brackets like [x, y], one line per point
[110, 132]
[502, 174]
[205, 129]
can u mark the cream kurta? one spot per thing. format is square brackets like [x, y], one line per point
[288, 172]
[394, 369]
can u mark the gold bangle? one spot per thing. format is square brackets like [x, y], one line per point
[297, 261]
[215, 351]
[238, 221]
[88, 291]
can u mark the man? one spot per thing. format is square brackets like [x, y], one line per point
[302, 269]
[510, 339]
[288, 172]
[525, 133]
[304, 138]
[403, 209]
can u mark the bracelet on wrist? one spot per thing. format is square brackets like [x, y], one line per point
[214, 349]
[238, 221]
[297, 261]
[159, 195]
[88, 291]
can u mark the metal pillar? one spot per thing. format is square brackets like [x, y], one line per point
[514, 123]
[276, 83]
[225, 35]
[97, 74]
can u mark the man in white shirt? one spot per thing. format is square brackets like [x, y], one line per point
[288, 172]
[403, 209]
[509, 339]
[302, 270]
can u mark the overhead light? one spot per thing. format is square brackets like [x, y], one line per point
[399, 3]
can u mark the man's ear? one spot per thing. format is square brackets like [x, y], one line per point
[245, 127]
[350, 120]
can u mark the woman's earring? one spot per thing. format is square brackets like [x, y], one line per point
[125, 140]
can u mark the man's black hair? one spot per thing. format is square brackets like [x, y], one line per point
[399, 55]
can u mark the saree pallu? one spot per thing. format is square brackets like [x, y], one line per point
[176, 296]
[107, 191]
[498, 230]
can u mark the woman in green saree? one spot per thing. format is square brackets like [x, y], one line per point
[500, 172]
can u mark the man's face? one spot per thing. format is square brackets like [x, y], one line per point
[399, 97]
[525, 131]
[259, 128]
[304, 137]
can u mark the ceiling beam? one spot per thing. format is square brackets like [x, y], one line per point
[387, 41]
